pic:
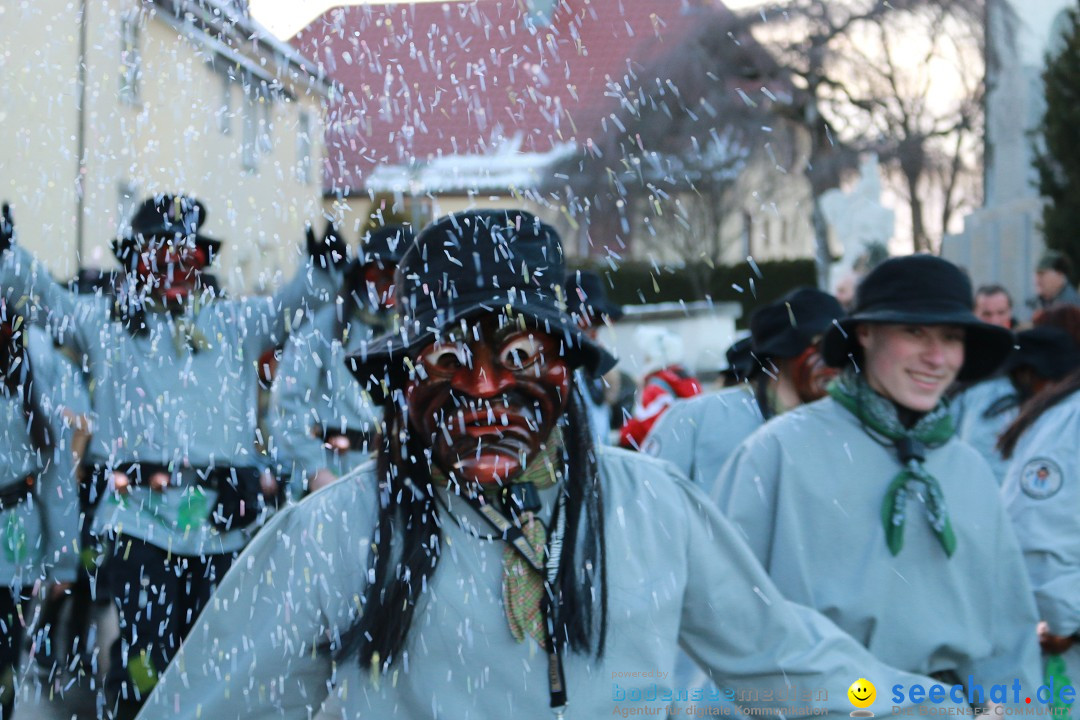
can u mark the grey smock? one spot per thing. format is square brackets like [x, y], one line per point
[677, 576]
[39, 536]
[181, 407]
[982, 413]
[1041, 493]
[699, 434]
[806, 493]
[314, 391]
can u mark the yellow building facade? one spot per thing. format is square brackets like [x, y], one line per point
[103, 103]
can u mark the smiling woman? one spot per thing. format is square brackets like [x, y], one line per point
[872, 473]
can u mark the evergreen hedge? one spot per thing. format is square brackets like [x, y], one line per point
[634, 282]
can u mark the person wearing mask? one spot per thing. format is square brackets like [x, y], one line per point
[323, 425]
[491, 562]
[864, 504]
[39, 494]
[699, 435]
[171, 368]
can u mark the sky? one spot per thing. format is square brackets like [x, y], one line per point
[284, 18]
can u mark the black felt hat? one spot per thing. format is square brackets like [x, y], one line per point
[785, 328]
[172, 218]
[740, 358]
[921, 290]
[586, 293]
[473, 263]
[1048, 350]
[385, 245]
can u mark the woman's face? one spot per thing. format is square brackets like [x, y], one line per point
[912, 365]
[490, 398]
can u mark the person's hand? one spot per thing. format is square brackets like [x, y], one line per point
[7, 228]
[338, 443]
[1050, 643]
[119, 483]
[320, 479]
[159, 481]
[331, 251]
[268, 485]
[58, 590]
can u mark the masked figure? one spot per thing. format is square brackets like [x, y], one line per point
[786, 370]
[324, 424]
[172, 372]
[38, 494]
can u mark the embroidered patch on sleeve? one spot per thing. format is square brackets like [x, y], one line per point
[1041, 478]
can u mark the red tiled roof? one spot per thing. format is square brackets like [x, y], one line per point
[455, 78]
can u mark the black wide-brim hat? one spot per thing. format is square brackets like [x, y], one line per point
[172, 218]
[1049, 351]
[482, 262]
[921, 290]
[786, 327]
[585, 291]
[740, 358]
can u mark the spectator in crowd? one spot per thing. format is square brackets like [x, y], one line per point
[993, 305]
[1053, 281]
[664, 380]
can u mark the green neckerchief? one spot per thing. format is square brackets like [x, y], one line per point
[186, 333]
[932, 430]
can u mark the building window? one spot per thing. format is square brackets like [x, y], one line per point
[251, 128]
[130, 59]
[258, 110]
[748, 234]
[225, 110]
[126, 191]
[303, 149]
[266, 140]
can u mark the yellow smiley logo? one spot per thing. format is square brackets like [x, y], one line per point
[862, 693]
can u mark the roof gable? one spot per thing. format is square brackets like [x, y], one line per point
[487, 77]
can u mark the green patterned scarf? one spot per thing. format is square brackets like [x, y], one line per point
[932, 430]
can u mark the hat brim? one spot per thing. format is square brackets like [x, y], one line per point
[986, 347]
[386, 359]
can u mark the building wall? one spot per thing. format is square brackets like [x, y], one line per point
[767, 216]
[352, 213]
[165, 135]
